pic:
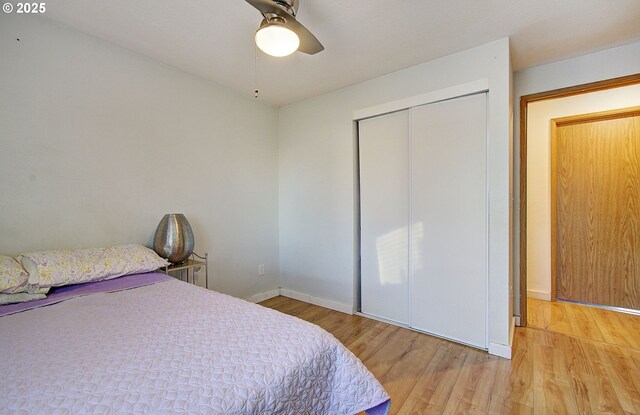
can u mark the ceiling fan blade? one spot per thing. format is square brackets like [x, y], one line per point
[309, 44]
[268, 6]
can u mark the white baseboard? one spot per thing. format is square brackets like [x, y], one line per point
[502, 350]
[517, 321]
[539, 295]
[263, 296]
[322, 302]
[307, 298]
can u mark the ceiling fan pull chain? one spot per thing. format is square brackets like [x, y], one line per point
[255, 71]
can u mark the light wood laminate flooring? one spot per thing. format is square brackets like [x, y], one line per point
[572, 359]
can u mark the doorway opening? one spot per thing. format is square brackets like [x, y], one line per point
[525, 103]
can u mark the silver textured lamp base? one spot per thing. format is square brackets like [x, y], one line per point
[174, 238]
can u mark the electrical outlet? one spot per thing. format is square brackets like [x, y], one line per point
[261, 270]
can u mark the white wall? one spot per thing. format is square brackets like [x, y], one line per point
[607, 64]
[97, 143]
[317, 189]
[539, 118]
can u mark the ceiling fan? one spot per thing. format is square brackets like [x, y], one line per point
[280, 34]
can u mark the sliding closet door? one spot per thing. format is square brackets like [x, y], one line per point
[384, 216]
[449, 215]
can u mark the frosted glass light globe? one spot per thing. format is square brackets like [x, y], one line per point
[277, 40]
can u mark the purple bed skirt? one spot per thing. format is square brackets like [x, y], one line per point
[382, 409]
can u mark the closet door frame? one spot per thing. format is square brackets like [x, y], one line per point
[457, 91]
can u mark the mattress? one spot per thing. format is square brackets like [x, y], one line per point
[150, 344]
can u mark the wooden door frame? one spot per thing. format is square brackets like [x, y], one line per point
[525, 100]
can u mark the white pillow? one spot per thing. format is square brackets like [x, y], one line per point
[13, 278]
[34, 277]
[56, 268]
[31, 268]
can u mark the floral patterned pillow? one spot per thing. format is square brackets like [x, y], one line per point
[19, 298]
[64, 267]
[13, 278]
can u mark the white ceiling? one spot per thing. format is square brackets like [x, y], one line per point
[364, 39]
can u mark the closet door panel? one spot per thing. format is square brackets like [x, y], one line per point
[449, 216]
[384, 216]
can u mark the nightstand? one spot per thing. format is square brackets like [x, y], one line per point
[193, 264]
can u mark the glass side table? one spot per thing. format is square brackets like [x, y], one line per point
[191, 265]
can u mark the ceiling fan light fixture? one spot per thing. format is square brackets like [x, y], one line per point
[275, 39]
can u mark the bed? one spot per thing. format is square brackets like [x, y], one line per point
[151, 344]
